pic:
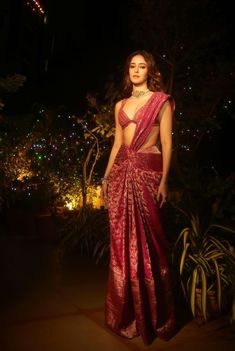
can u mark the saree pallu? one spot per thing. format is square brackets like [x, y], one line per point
[139, 299]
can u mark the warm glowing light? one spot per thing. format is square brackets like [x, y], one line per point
[93, 196]
[71, 205]
[74, 201]
[23, 173]
[35, 6]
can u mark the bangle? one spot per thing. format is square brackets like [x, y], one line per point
[105, 179]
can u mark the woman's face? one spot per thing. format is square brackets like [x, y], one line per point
[138, 70]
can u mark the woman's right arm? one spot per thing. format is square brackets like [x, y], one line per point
[117, 141]
[116, 146]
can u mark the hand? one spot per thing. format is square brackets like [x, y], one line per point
[104, 193]
[162, 194]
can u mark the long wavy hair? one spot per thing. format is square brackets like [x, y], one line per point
[154, 81]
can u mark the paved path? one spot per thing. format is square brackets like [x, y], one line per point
[47, 305]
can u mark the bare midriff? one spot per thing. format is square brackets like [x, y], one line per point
[152, 139]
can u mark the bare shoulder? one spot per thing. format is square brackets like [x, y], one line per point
[165, 112]
[166, 107]
[118, 105]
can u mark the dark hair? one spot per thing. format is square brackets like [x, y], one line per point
[154, 81]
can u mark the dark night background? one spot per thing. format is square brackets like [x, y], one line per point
[86, 43]
[90, 39]
[56, 132]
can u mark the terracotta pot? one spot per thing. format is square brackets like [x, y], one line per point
[212, 306]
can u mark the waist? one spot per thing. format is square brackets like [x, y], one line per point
[148, 158]
[153, 149]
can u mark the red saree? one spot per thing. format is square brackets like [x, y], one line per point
[139, 298]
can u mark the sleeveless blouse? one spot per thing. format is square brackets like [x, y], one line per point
[124, 120]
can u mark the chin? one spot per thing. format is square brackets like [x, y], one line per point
[137, 81]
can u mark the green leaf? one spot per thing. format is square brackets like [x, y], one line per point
[226, 229]
[183, 258]
[184, 290]
[204, 292]
[206, 246]
[205, 265]
[218, 244]
[216, 255]
[194, 259]
[183, 233]
[218, 283]
[195, 224]
[193, 290]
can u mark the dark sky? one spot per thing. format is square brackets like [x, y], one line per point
[91, 39]
[87, 23]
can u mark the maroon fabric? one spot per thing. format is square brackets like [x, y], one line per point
[139, 298]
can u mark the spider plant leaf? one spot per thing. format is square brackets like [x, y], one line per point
[216, 255]
[195, 224]
[218, 281]
[195, 260]
[193, 290]
[188, 285]
[204, 292]
[204, 264]
[230, 253]
[184, 234]
[217, 243]
[185, 237]
[96, 248]
[224, 279]
[206, 247]
[182, 211]
[225, 229]
[184, 289]
[183, 256]
[211, 252]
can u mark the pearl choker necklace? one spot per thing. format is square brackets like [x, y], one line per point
[139, 93]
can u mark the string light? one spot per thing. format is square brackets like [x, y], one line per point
[65, 150]
[35, 6]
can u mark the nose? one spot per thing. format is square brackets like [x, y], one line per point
[136, 69]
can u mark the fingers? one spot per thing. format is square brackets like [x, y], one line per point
[162, 198]
[162, 202]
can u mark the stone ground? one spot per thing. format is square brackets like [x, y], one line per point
[51, 305]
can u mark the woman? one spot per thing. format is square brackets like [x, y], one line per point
[139, 299]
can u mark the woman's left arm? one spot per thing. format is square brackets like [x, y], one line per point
[165, 118]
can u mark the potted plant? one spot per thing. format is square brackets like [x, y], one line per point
[206, 263]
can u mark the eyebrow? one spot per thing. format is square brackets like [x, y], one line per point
[141, 63]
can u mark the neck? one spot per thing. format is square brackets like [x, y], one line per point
[139, 87]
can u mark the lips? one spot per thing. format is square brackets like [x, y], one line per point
[135, 76]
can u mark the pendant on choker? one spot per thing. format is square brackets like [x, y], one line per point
[139, 93]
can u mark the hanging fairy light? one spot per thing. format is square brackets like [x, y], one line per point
[35, 6]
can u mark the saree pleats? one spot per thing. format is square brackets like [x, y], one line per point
[139, 299]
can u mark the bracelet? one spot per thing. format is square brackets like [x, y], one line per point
[105, 179]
